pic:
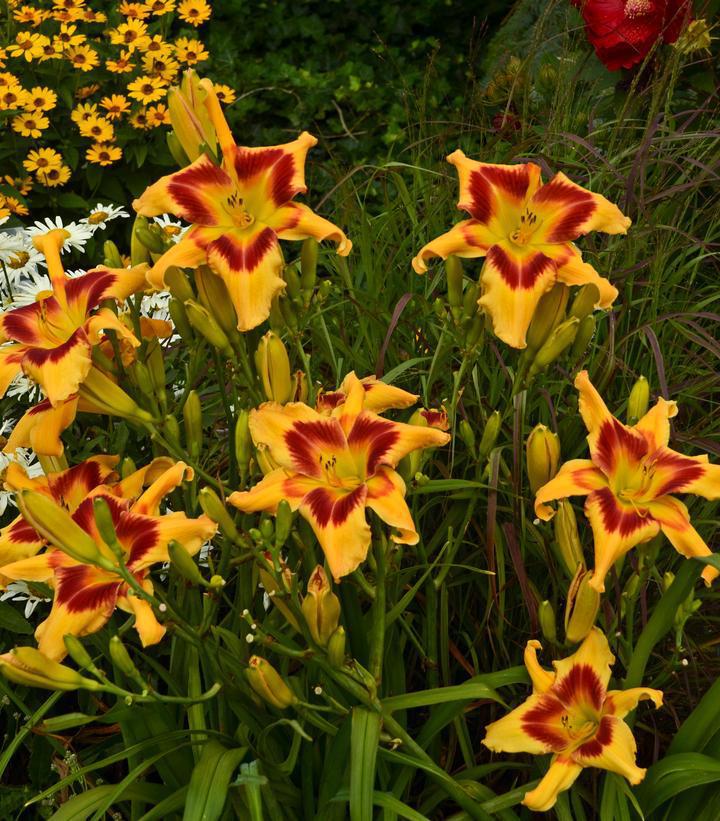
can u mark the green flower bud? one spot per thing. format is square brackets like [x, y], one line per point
[438, 308]
[178, 284]
[77, 652]
[121, 659]
[138, 251]
[184, 563]
[176, 149]
[192, 422]
[29, 667]
[639, 401]
[467, 434]
[268, 684]
[542, 456]
[204, 323]
[321, 607]
[490, 435]
[585, 333]
[179, 317]
[103, 395]
[560, 339]
[214, 509]
[549, 313]
[586, 300]
[106, 526]
[567, 538]
[336, 648]
[308, 265]
[292, 278]
[454, 274]
[215, 298]
[583, 603]
[112, 255]
[149, 239]
[243, 442]
[546, 617]
[273, 366]
[283, 523]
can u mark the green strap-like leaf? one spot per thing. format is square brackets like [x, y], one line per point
[210, 780]
[364, 740]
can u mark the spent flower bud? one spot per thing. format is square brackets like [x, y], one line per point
[321, 607]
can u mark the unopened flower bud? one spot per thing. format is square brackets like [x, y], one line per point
[192, 422]
[273, 366]
[470, 301]
[438, 307]
[77, 652]
[543, 456]
[668, 579]
[278, 590]
[204, 323]
[176, 150]
[308, 266]
[490, 435]
[180, 320]
[321, 607]
[467, 434]
[560, 339]
[638, 401]
[265, 461]
[100, 394]
[585, 301]
[549, 313]
[243, 442]
[336, 648]
[184, 563]
[454, 274]
[105, 524]
[150, 239]
[121, 659]
[214, 509]
[546, 617]
[138, 251]
[267, 529]
[178, 284]
[583, 602]
[268, 684]
[283, 523]
[215, 298]
[585, 333]
[30, 667]
[292, 278]
[112, 258]
[567, 537]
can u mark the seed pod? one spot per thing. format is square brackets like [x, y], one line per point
[321, 607]
[549, 313]
[638, 401]
[268, 683]
[546, 617]
[582, 607]
[273, 365]
[336, 648]
[214, 509]
[490, 434]
[584, 303]
[542, 456]
[567, 538]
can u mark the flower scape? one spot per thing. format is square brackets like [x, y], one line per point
[280, 517]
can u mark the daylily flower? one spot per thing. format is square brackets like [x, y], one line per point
[86, 595]
[525, 231]
[239, 211]
[572, 715]
[332, 468]
[379, 396]
[52, 339]
[628, 481]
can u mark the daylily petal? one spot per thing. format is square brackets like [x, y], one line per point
[40, 428]
[105, 320]
[148, 627]
[468, 239]
[542, 679]
[87, 291]
[560, 777]
[617, 527]
[578, 477]
[674, 521]
[386, 497]
[513, 279]
[23, 324]
[379, 396]
[534, 727]
[131, 486]
[619, 703]
[337, 517]
[296, 221]
[675, 473]
[353, 403]
[150, 546]
[495, 195]
[32, 569]
[166, 482]
[583, 677]
[382, 442]
[267, 494]
[197, 194]
[655, 425]
[249, 262]
[70, 487]
[59, 371]
[566, 211]
[10, 364]
[184, 254]
[613, 748]
[18, 541]
[573, 271]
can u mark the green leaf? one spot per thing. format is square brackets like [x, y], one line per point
[74, 202]
[675, 774]
[13, 621]
[700, 726]
[469, 691]
[210, 780]
[364, 740]
[81, 806]
[388, 801]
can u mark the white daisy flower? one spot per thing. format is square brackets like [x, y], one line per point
[20, 266]
[26, 292]
[101, 215]
[172, 228]
[19, 592]
[156, 305]
[20, 386]
[79, 233]
[11, 242]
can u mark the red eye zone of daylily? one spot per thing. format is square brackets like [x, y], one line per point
[332, 467]
[525, 231]
[628, 481]
[239, 211]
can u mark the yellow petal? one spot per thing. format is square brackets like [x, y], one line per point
[578, 477]
[541, 678]
[655, 425]
[386, 497]
[613, 749]
[584, 676]
[535, 727]
[467, 239]
[61, 370]
[184, 254]
[41, 426]
[296, 221]
[621, 702]
[560, 777]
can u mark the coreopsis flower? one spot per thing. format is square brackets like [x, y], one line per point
[50, 51]
[30, 124]
[84, 92]
[97, 128]
[12, 96]
[84, 112]
[195, 12]
[134, 11]
[53, 177]
[122, 64]
[83, 58]
[190, 52]
[158, 46]
[158, 115]
[239, 211]
[147, 89]
[115, 105]
[103, 153]
[131, 35]
[92, 16]
[51, 340]
[86, 595]
[525, 231]
[332, 468]
[224, 93]
[628, 481]
[574, 716]
[27, 45]
[29, 15]
[160, 7]
[40, 98]
[68, 37]
[139, 120]
[160, 66]
[14, 205]
[622, 32]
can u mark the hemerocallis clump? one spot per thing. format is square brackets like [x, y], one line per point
[87, 587]
[629, 481]
[333, 467]
[525, 230]
[239, 209]
[572, 714]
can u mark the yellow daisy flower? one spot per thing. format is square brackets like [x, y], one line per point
[116, 105]
[132, 35]
[22, 184]
[66, 37]
[190, 51]
[224, 93]
[29, 15]
[165, 67]
[12, 96]
[15, 206]
[146, 89]
[7, 79]
[133, 11]
[67, 15]
[50, 51]
[103, 154]
[160, 7]
[98, 128]
[84, 92]
[54, 177]
[158, 115]
[90, 16]
[3, 57]
[83, 57]
[139, 120]
[42, 159]
[83, 112]
[157, 45]
[194, 12]
[28, 45]
[30, 124]
[122, 65]
[40, 98]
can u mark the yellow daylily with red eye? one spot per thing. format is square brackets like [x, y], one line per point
[379, 396]
[52, 339]
[628, 481]
[331, 468]
[572, 715]
[525, 231]
[239, 210]
[86, 595]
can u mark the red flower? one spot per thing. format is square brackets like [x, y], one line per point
[622, 32]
